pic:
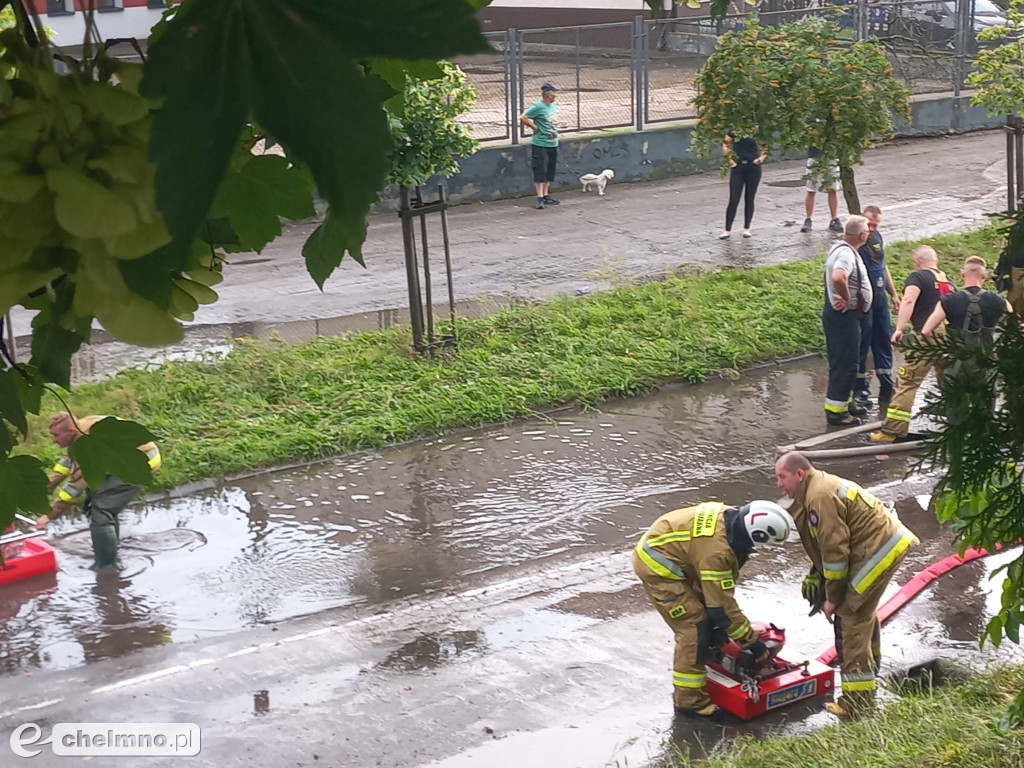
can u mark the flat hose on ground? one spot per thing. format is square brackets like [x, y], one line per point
[912, 588]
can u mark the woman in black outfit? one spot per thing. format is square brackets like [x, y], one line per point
[745, 158]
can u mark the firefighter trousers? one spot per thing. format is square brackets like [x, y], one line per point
[842, 341]
[859, 643]
[912, 375]
[683, 611]
[875, 333]
[103, 508]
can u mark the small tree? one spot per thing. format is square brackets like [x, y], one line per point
[428, 139]
[799, 89]
[999, 72]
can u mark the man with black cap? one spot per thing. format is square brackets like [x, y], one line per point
[689, 562]
[540, 118]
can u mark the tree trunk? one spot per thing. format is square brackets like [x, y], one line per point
[850, 190]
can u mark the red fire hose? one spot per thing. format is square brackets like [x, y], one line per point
[913, 587]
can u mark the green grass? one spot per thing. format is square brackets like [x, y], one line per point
[954, 726]
[271, 402]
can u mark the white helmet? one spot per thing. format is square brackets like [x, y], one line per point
[767, 523]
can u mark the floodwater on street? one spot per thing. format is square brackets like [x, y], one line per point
[488, 565]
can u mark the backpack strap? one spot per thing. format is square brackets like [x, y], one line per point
[973, 310]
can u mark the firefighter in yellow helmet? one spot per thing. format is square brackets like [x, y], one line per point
[689, 562]
[102, 505]
[855, 544]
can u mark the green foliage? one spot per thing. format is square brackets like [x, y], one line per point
[110, 448]
[122, 186]
[794, 87]
[998, 72]
[268, 403]
[981, 451]
[427, 137]
[953, 726]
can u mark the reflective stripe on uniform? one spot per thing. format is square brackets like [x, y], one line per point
[716, 575]
[689, 679]
[68, 493]
[667, 538]
[883, 371]
[62, 467]
[740, 631]
[657, 562]
[705, 520]
[847, 491]
[879, 562]
[858, 681]
[154, 459]
[837, 406]
[835, 571]
[897, 415]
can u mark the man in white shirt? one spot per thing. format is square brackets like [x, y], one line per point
[847, 297]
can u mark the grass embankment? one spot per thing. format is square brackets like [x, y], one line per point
[953, 726]
[270, 403]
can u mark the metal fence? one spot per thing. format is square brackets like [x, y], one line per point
[643, 71]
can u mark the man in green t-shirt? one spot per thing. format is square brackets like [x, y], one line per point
[540, 118]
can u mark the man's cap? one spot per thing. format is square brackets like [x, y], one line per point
[548, 87]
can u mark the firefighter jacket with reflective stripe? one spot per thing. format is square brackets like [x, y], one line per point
[66, 475]
[849, 534]
[690, 545]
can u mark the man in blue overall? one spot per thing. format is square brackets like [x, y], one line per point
[876, 325]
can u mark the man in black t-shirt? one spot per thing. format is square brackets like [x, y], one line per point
[922, 290]
[956, 308]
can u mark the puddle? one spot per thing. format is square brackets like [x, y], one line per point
[451, 514]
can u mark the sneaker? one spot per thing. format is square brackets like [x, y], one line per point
[835, 226]
[807, 226]
[746, 233]
[550, 200]
[540, 203]
[842, 420]
[724, 236]
[710, 712]
[881, 437]
[837, 709]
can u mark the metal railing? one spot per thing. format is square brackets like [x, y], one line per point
[627, 74]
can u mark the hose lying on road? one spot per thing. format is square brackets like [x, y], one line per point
[912, 588]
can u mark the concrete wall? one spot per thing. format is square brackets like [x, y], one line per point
[661, 152]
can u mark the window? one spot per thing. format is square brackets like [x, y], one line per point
[105, 6]
[160, 4]
[60, 7]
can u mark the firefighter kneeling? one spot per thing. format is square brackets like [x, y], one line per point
[689, 562]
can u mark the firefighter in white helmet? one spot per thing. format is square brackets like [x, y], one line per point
[689, 562]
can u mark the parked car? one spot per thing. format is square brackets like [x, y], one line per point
[934, 23]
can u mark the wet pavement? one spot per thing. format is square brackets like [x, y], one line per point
[507, 249]
[465, 601]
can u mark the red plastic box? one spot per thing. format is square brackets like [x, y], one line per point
[790, 684]
[37, 557]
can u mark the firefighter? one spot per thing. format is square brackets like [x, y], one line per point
[855, 544]
[100, 506]
[689, 562]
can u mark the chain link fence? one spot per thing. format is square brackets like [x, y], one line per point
[632, 73]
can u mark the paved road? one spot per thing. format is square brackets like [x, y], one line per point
[506, 248]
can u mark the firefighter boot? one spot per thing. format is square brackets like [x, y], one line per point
[104, 547]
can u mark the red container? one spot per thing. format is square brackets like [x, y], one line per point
[788, 684]
[37, 557]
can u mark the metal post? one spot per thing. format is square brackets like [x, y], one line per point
[512, 69]
[640, 70]
[579, 117]
[1019, 136]
[520, 71]
[1010, 129]
[862, 20]
[429, 307]
[411, 270]
[443, 197]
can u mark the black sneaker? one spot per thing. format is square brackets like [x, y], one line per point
[540, 203]
[842, 420]
[550, 200]
[807, 226]
[835, 226]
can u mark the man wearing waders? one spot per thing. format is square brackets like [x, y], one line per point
[855, 545]
[876, 326]
[102, 505]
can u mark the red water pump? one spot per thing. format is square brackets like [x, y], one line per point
[737, 683]
[24, 554]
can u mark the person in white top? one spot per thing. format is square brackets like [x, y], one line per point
[847, 297]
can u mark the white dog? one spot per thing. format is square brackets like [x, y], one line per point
[600, 180]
